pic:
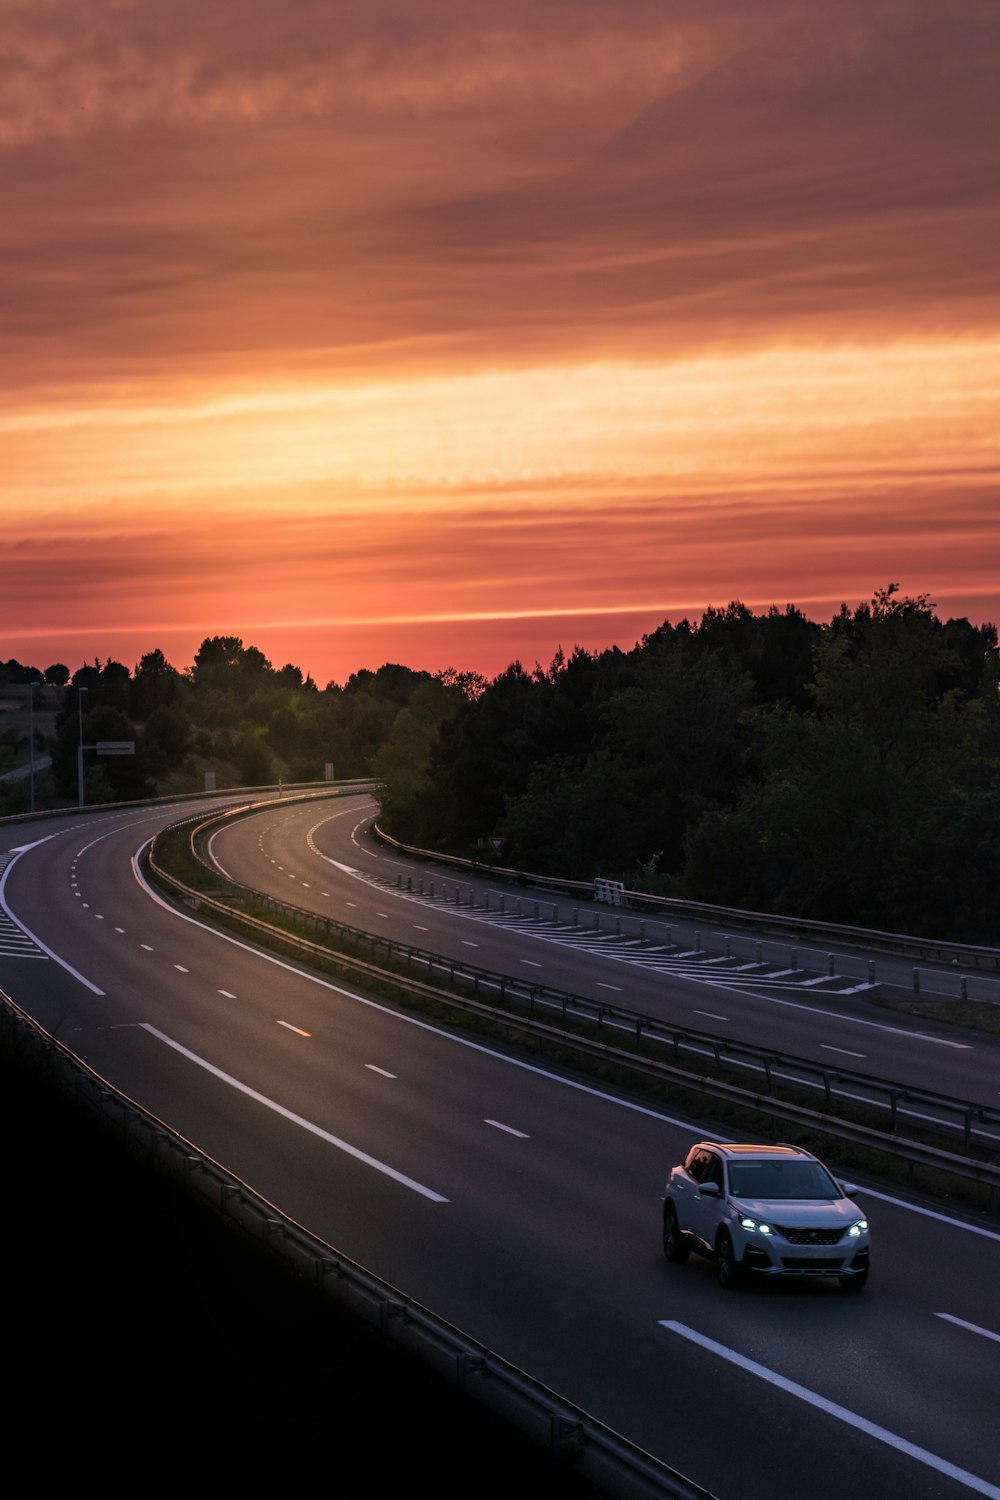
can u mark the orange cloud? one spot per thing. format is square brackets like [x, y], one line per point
[412, 320]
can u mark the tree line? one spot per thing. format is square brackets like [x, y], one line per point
[847, 771]
[231, 713]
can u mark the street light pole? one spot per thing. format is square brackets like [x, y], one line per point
[31, 742]
[79, 753]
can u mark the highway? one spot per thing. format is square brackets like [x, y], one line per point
[519, 1201]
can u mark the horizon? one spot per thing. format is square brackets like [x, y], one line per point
[542, 646]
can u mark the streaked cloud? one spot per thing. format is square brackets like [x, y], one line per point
[408, 303]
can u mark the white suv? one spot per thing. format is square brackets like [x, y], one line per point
[769, 1209]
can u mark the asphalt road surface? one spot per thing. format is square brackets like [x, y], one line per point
[516, 1200]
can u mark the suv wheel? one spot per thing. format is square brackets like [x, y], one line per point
[675, 1246]
[728, 1268]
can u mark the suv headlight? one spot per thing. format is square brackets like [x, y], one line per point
[857, 1228]
[755, 1224]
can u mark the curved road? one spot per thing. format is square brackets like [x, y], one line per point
[328, 862]
[517, 1201]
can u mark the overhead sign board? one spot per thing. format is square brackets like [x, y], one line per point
[115, 747]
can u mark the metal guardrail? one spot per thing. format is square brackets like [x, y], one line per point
[574, 1438]
[710, 1052]
[282, 790]
[795, 929]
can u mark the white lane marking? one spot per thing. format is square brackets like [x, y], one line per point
[27, 930]
[383, 1071]
[119, 929]
[382, 914]
[98, 916]
[713, 1015]
[297, 1029]
[932, 1213]
[507, 1129]
[530, 962]
[511, 1062]
[217, 862]
[228, 994]
[279, 1109]
[616, 987]
[181, 969]
[972, 1327]
[467, 944]
[147, 947]
[417, 928]
[814, 1010]
[728, 987]
[842, 1050]
[882, 1434]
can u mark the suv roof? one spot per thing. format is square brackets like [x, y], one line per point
[739, 1150]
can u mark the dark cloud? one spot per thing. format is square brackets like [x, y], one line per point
[191, 179]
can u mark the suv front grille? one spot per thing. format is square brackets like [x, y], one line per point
[811, 1236]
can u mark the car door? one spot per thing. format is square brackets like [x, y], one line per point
[704, 1208]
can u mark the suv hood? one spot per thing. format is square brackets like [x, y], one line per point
[801, 1212]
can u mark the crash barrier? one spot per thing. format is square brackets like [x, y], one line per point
[681, 1055]
[573, 1437]
[284, 791]
[790, 929]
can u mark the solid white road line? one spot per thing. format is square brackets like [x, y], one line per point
[971, 1327]
[279, 1109]
[902, 1445]
[931, 1213]
[815, 1010]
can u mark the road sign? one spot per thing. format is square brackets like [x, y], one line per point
[612, 891]
[115, 747]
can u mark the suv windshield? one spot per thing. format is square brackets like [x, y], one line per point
[781, 1179]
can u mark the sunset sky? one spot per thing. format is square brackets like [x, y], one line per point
[452, 331]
